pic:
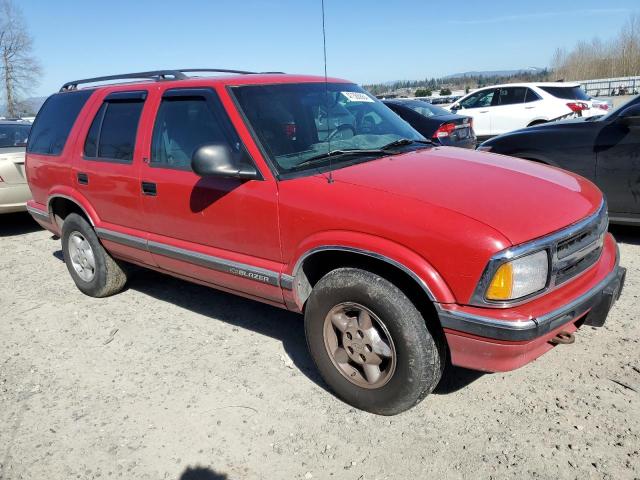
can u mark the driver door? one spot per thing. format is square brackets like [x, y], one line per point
[478, 105]
[222, 231]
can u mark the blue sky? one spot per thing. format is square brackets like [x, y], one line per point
[367, 41]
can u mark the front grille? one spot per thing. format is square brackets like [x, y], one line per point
[578, 252]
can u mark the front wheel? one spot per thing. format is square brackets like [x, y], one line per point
[370, 343]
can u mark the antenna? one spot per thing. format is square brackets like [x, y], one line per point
[326, 92]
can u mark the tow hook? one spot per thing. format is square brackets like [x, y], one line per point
[563, 338]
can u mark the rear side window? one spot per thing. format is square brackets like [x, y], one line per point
[567, 93]
[531, 96]
[112, 135]
[54, 122]
[512, 95]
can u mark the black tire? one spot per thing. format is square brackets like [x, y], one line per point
[109, 276]
[418, 361]
[536, 122]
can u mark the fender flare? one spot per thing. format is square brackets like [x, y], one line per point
[396, 255]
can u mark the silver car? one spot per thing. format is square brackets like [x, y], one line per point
[14, 191]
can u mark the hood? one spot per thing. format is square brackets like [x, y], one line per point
[522, 200]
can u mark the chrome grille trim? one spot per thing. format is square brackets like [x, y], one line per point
[571, 251]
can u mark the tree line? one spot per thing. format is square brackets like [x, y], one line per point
[618, 57]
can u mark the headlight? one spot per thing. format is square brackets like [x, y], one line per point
[520, 277]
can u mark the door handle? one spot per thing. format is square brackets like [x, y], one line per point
[83, 178]
[529, 108]
[483, 111]
[149, 188]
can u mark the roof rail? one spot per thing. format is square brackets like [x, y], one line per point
[216, 70]
[152, 75]
[157, 75]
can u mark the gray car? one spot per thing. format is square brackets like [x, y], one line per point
[14, 191]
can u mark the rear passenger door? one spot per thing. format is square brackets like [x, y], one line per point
[222, 231]
[105, 169]
[510, 113]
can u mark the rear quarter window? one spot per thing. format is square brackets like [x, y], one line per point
[566, 93]
[54, 122]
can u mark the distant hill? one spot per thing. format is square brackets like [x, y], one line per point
[29, 106]
[496, 73]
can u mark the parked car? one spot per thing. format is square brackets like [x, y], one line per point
[14, 191]
[503, 108]
[604, 105]
[436, 123]
[604, 149]
[400, 255]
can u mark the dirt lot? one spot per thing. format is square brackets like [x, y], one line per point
[170, 380]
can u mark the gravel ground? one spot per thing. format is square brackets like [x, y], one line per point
[170, 380]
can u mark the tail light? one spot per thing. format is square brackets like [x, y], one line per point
[445, 130]
[577, 107]
[603, 106]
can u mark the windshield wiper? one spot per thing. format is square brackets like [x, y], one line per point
[404, 141]
[341, 153]
[357, 151]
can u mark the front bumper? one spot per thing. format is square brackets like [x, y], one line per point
[487, 343]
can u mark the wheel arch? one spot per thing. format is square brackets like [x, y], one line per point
[60, 204]
[320, 260]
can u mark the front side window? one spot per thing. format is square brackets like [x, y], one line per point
[299, 124]
[480, 99]
[112, 135]
[187, 120]
[14, 135]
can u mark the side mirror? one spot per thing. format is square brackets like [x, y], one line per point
[630, 116]
[219, 161]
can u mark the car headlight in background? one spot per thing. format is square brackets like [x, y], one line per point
[483, 148]
[520, 277]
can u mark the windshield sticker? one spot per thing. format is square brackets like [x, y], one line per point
[357, 97]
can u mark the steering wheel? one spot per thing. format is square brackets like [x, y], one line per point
[342, 128]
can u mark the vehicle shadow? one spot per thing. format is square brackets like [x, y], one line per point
[17, 224]
[625, 234]
[456, 378]
[202, 473]
[288, 327]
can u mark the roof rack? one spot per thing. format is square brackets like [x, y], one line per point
[156, 75]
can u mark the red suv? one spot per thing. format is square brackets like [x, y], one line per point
[311, 195]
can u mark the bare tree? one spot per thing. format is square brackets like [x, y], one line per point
[19, 69]
[619, 57]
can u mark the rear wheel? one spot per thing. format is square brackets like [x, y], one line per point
[94, 271]
[370, 343]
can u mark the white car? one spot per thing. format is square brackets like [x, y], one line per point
[503, 108]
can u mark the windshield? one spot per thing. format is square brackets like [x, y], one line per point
[14, 135]
[298, 123]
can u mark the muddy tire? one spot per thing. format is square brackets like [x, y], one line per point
[370, 343]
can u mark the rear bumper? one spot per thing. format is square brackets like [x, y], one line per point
[13, 197]
[500, 344]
